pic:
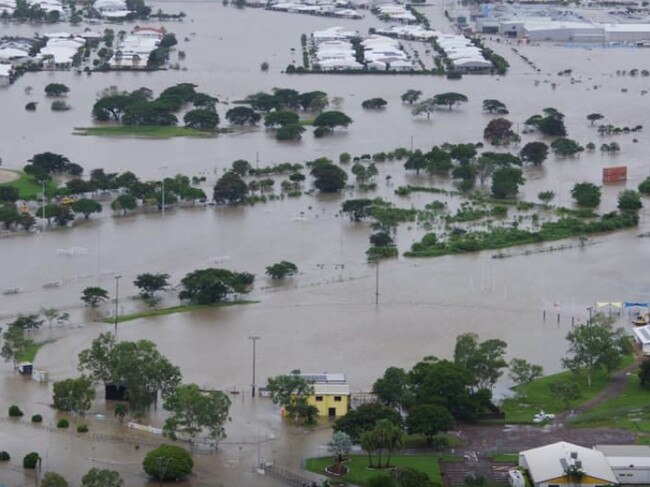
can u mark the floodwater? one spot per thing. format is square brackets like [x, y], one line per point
[324, 319]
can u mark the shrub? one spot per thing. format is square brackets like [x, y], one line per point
[63, 423]
[31, 460]
[644, 187]
[82, 428]
[37, 418]
[168, 462]
[15, 412]
[31, 106]
[321, 131]
[60, 106]
[4, 456]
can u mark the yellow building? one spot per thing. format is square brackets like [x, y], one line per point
[565, 464]
[331, 394]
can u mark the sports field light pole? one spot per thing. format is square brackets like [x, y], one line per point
[117, 300]
[254, 338]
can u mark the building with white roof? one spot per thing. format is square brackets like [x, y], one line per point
[409, 32]
[626, 32]
[462, 54]
[630, 463]
[550, 465]
[5, 74]
[333, 34]
[642, 337]
[385, 53]
[397, 13]
[58, 53]
[331, 393]
[12, 53]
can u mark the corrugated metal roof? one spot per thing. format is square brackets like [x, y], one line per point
[546, 462]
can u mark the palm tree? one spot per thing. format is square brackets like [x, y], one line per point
[369, 444]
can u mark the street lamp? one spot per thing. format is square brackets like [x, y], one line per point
[117, 300]
[254, 338]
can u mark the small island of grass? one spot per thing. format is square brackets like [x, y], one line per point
[184, 308]
[146, 131]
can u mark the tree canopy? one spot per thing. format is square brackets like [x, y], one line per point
[594, 346]
[195, 412]
[586, 194]
[168, 462]
[137, 366]
[534, 152]
[449, 99]
[329, 178]
[230, 189]
[411, 96]
[208, 286]
[291, 392]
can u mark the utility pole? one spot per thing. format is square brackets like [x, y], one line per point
[376, 283]
[254, 338]
[162, 198]
[117, 300]
[43, 212]
[590, 309]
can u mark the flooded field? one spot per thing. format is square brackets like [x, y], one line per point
[325, 318]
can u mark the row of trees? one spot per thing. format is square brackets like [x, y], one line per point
[140, 108]
[167, 462]
[203, 286]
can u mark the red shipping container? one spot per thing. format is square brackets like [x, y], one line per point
[614, 174]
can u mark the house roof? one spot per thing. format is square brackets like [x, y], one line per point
[551, 461]
[332, 389]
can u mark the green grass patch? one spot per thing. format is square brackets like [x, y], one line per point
[629, 410]
[30, 352]
[146, 131]
[531, 398]
[184, 308]
[440, 441]
[29, 189]
[504, 457]
[306, 122]
[359, 473]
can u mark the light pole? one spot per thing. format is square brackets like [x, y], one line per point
[254, 338]
[117, 300]
[377, 283]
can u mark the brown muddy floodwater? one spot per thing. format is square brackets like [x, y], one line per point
[325, 318]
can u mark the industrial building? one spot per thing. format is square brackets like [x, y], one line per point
[630, 463]
[543, 23]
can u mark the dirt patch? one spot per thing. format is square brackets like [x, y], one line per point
[7, 176]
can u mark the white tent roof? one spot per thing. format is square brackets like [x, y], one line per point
[642, 333]
[550, 462]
